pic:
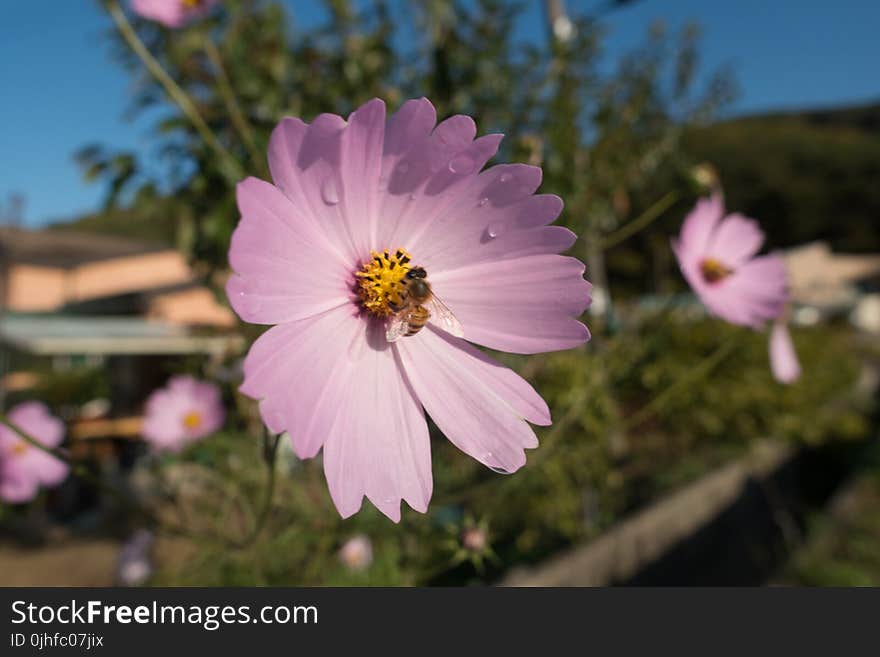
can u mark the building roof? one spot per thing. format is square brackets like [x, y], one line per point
[67, 249]
[71, 335]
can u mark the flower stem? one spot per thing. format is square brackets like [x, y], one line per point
[270, 456]
[694, 374]
[229, 164]
[232, 105]
[641, 222]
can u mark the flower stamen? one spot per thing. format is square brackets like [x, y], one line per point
[19, 448]
[192, 420]
[380, 282]
[713, 270]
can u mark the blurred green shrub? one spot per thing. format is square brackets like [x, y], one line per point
[589, 472]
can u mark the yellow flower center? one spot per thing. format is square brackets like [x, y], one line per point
[19, 448]
[192, 420]
[713, 270]
[192, 4]
[380, 282]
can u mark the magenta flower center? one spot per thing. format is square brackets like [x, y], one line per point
[381, 283]
[714, 271]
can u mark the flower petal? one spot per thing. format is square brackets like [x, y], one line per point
[737, 239]
[294, 370]
[753, 294]
[783, 359]
[379, 444]
[479, 405]
[305, 161]
[430, 177]
[522, 305]
[286, 269]
[698, 228]
[360, 168]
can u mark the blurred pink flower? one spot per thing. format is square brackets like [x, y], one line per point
[357, 553]
[172, 13]
[329, 252]
[718, 257]
[783, 359]
[182, 413]
[23, 467]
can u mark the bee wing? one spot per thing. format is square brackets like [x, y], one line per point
[397, 326]
[444, 317]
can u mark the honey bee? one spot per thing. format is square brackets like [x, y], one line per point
[418, 305]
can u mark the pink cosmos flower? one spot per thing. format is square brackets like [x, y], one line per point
[337, 252]
[717, 255]
[172, 13]
[182, 413]
[23, 467]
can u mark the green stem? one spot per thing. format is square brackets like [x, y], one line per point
[694, 374]
[270, 456]
[641, 222]
[232, 105]
[230, 165]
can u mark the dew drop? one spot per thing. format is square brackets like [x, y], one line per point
[494, 229]
[329, 192]
[462, 164]
[483, 202]
[504, 177]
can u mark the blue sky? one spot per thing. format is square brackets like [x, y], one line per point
[61, 90]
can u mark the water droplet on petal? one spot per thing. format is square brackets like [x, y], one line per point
[504, 177]
[483, 202]
[461, 164]
[329, 192]
[494, 229]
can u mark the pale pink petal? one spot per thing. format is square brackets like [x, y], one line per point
[500, 186]
[736, 240]
[48, 470]
[487, 233]
[698, 227]
[379, 444]
[428, 177]
[522, 305]
[360, 168]
[296, 369]
[477, 404]
[783, 359]
[305, 162]
[16, 487]
[753, 294]
[170, 13]
[35, 419]
[285, 269]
